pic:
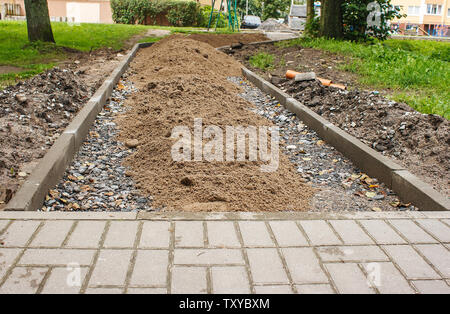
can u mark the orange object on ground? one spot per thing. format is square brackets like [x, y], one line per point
[338, 86]
[291, 74]
[324, 81]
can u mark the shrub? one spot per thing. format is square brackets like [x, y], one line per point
[178, 13]
[205, 13]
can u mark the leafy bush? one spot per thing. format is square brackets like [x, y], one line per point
[178, 13]
[183, 13]
[312, 27]
[205, 13]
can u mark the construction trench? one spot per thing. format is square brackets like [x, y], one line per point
[126, 162]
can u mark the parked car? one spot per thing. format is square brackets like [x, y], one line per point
[251, 21]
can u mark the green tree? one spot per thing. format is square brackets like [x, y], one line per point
[38, 21]
[275, 9]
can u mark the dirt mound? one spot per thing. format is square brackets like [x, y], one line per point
[32, 114]
[179, 80]
[220, 40]
[35, 111]
[271, 25]
[420, 142]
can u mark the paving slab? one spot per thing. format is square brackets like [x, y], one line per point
[150, 268]
[410, 262]
[266, 266]
[87, 234]
[230, 280]
[387, 278]
[52, 234]
[111, 268]
[438, 256]
[155, 234]
[315, 289]
[273, 289]
[350, 232]
[304, 266]
[189, 234]
[411, 231]
[23, 280]
[67, 280]
[320, 233]
[436, 228]
[349, 279]
[222, 234]
[255, 234]
[432, 286]
[189, 280]
[382, 232]
[18, 233]
[287, 233]
[121, 234]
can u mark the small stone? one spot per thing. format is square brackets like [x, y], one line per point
[290, 147]
[132, 143]
[22, 174]
[21, 98]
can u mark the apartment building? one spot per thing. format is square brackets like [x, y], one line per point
[430, 17]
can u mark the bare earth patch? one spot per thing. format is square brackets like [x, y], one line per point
[419, 142]
[34, 112]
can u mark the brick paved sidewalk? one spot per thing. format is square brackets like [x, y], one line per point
[225, 253]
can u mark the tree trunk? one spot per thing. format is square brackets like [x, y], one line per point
[310, 13]
[38, 21]
[331, 19]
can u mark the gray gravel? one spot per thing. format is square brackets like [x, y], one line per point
[96, 179]
[343, 186]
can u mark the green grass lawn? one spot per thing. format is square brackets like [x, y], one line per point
[413, 71]
[15, 50]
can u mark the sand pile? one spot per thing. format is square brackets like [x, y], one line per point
[181, 79]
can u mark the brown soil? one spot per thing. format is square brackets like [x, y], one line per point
[181, 79]
[4, 69]
[323, 63]
[417, 141]
[220, 40]
[34, 112]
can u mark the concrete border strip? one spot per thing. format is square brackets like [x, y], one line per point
[407, 186]
[219, 216]
[51, 168]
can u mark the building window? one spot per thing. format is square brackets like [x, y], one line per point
[414, 10]
[448, 12]
[434, 9]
